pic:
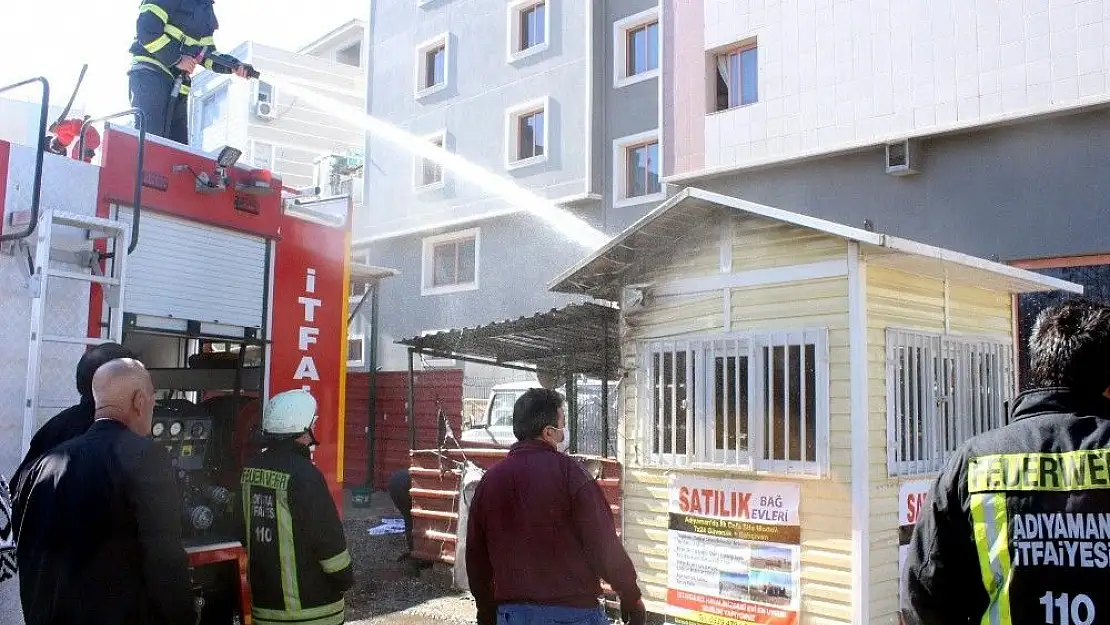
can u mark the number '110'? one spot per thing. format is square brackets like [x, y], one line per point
[1065, 610]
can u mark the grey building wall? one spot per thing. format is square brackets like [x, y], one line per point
[1029, 190]
[512, 275]
[623, 111]
[481, 86]
[518, 254]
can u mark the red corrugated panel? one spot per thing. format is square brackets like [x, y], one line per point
[435, 484]
[391, 449]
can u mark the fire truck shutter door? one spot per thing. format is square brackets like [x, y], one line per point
[190, 271]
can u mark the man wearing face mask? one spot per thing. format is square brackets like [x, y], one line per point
[540, 535]
[100, 542]
[299, 564]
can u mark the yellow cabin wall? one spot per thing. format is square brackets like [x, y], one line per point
[825, 510]
[902, 300]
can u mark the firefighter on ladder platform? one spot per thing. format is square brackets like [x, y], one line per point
[172, 38]
[299, 563]
[1015, 529]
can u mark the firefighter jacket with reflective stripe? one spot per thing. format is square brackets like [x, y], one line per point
[299, 564]
[169, 29]
[1016, 529]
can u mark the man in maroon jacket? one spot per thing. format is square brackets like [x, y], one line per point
[541, 534]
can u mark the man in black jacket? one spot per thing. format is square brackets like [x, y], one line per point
[100, 537]
[1016, 528]
[299, 563]
[73, 421]
[172, 38]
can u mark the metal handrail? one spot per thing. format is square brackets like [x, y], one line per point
[140, 122]
[36, 189]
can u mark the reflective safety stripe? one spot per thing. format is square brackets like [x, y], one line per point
[992, 542]
[174, 31]
[185, 89]
[247, 517]
[153, 61]
[330, 614]
[157, 44]
[325, 620]
[287, 553]
[156, 10]
[1069, 471]
[337, 562]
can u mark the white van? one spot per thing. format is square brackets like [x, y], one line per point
[495, 427]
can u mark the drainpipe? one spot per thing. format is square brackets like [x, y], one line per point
[372, 379]
[590, 77]
[412, 401]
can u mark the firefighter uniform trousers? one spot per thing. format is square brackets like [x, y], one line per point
[1017, 528]
[299, 564]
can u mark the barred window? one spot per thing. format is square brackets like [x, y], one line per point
[756, 401]
[941, 391]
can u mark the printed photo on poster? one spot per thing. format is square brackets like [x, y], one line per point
[734, 549]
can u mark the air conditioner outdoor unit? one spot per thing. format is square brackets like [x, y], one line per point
[264, 109]
[902, 157]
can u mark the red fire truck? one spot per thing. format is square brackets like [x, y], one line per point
[229, 288]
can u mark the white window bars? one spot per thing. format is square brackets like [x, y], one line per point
[942, 390]
[754, 401]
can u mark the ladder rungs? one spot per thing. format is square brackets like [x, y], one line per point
[88, 222]
[86, 277]
[73, 340]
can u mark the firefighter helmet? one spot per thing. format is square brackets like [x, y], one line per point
[291, 413]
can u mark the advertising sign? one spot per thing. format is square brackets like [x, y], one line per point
[911, 497]
[734, 552]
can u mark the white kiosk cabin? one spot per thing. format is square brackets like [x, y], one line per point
[788, 384]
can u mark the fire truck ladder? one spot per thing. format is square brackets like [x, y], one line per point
[116, 234]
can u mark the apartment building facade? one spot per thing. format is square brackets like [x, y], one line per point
[275, 130]
[972, 125]
[561, 97]
[977, 126]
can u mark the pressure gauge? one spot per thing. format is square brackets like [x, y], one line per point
[158, 429]
[175, 428]
[197, 430]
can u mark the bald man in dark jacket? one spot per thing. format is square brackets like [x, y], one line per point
[100, 542]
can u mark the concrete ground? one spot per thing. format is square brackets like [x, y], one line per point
[386, 592]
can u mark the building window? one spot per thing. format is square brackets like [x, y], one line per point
[262, 155]
[642, 169]
[736, 74]
[432, 66]
[529, 28]
[636, 169]
[942, 390]
[351, 55]
[213, 108]
[636, 48]
[429, 173]
[528, 134]
[450, 262]
[356, 350]
[754, 401]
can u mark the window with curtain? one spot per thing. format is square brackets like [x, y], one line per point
[737, 77]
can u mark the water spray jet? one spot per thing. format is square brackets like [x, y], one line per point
[571, 226]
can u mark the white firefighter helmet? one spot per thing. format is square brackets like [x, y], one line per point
[289, 414]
